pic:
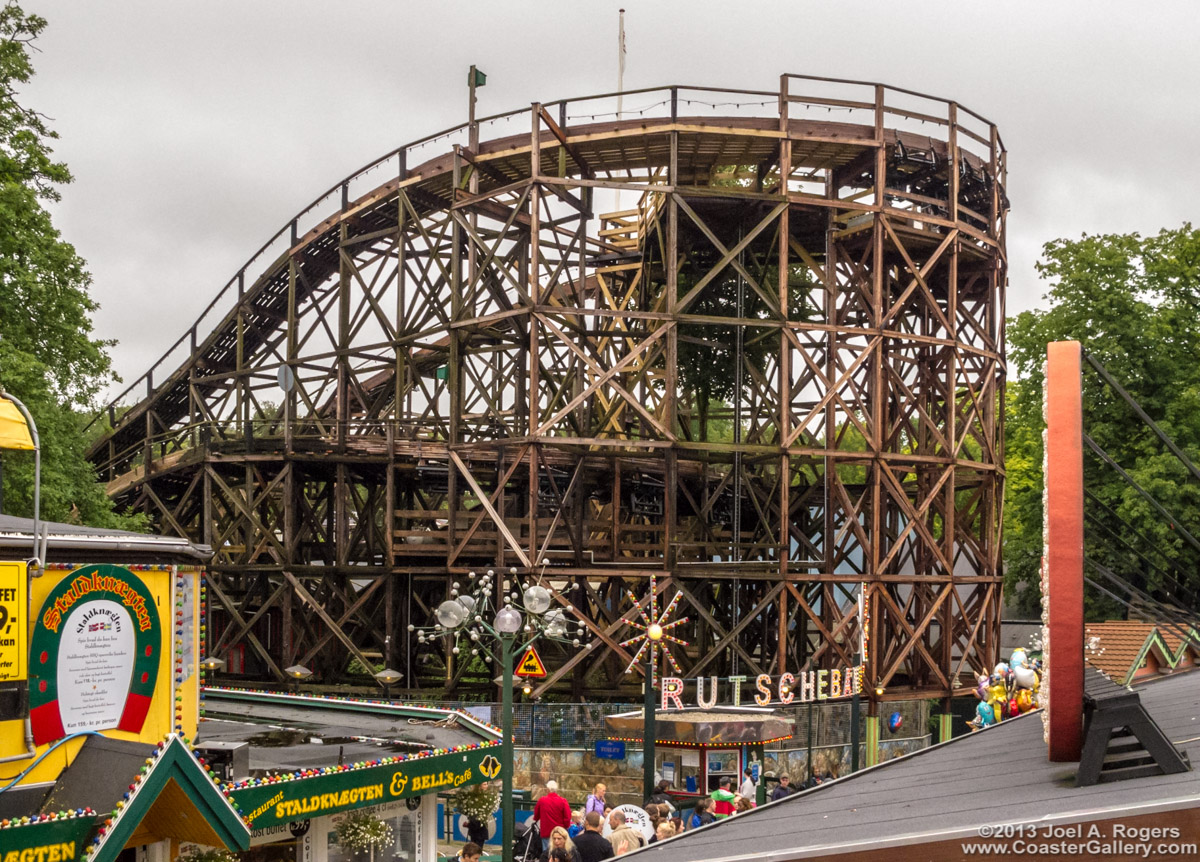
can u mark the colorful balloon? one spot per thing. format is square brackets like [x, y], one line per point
[985, 714]
[894, 721]
[1026, 677]
[1024, 700]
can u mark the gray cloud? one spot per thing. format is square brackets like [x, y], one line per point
[196, 130]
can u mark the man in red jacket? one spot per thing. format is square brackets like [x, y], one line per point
[550, 811]
[722, 799]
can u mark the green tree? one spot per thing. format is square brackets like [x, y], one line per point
[49, 356]
[1134, 304]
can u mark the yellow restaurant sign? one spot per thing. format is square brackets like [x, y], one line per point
[60, 840]
[62, 852]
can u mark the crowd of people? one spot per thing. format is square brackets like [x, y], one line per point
[570, 835]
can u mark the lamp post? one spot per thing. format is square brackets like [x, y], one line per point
[465, 614]
[298, 673]
[508, 623]
[212, 664]
[387, 678]
[854, 717]
[654, 633]
[810, 737]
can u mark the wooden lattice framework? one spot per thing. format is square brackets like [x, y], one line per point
[462, 366]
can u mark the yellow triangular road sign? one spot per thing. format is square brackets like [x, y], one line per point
[531, 664]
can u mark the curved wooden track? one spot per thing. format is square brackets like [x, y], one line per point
[773, 377]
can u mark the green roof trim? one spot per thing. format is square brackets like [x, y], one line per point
[1152, 639]
[174, 760]
[1191, 642]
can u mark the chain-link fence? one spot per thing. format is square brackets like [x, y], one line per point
[828, 751]
[831, 722]
[556, 740]
[581, 725]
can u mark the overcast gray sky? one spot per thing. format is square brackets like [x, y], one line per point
[195, 130]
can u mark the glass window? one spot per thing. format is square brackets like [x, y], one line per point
[405, 827]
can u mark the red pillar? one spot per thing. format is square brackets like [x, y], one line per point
[1063, 583]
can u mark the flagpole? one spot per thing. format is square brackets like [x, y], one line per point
[620, 80]
[472, 129]
[620, 60]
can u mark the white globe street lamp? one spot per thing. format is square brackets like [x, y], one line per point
[466, 614]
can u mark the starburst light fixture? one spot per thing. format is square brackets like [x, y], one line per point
[654, 630]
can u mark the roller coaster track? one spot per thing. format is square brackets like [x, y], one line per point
[477, 369]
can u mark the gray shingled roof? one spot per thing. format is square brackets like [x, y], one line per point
[73, 542]
[999, 775]
[286, 736]
[99, 775]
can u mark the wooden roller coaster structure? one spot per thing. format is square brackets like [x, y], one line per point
[774, 380]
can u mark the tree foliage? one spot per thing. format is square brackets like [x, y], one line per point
[1134, 304]
[49, 355]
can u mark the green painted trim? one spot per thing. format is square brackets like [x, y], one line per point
[407, 710]
[1191, 642]
[1151, 639]
[945, 726]
[49, 840]
[175, 761]
[872, 740]
[277, 802]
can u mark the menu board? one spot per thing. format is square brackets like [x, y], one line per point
[94, 654]
[95, 666]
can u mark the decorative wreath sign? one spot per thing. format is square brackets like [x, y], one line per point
[94, 654]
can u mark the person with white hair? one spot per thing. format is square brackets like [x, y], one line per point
[549, 811]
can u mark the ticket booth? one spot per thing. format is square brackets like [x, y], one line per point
[695, 748]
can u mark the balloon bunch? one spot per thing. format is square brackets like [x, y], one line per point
[1010, 690]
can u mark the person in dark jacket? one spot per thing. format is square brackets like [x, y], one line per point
[660, 796]
[782, 789]
[477, 831]
[592, 846]
[701, 814]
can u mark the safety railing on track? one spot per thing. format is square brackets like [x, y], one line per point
[851, 100]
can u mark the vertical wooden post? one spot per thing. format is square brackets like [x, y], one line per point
[785, 373]
[533, 286]
[289, 397]
[670, 402]
[1062, 579]
[454, 370]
